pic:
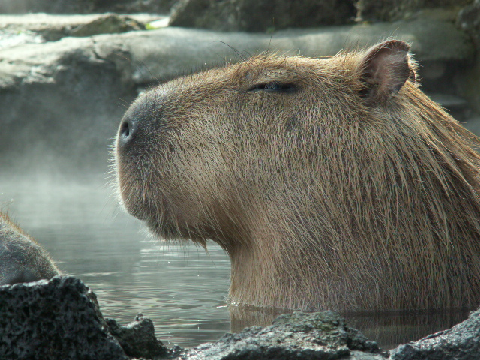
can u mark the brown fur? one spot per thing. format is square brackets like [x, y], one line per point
[347, 188]
[22, 259]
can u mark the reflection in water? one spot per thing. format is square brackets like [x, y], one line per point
[179, 286]
[392, 328]
[387, 328]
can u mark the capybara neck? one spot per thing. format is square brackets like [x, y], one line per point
[332, 183]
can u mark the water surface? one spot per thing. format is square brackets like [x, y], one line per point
[181, 287]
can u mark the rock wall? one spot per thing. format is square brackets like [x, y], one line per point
[63, 100]
[85, 6]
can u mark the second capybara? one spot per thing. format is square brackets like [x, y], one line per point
[22, 259]
[332, 183]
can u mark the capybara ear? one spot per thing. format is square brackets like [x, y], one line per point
[385, 69]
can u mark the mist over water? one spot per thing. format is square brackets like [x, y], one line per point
[78, 220]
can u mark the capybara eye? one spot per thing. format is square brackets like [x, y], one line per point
[273, 86]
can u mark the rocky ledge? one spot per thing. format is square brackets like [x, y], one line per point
[60, 319]
[53, 93]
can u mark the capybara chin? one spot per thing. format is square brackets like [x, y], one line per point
[331, 183]
[21, 258]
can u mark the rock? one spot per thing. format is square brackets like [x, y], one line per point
[10, 38]
[140, 6]
[85, 6]
[56, 319]
[393, 10]
[159, 55]
[261, 15]
[462, 342]
[468, 82]
[322, 335]
[53, 27]
[46, 6]
[138, 338]
[107, 24]
[469, 21]
[53, 94]
[60, 319]
[61, 95]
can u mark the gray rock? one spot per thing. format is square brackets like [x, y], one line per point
[161, 54]
[61, 97]
[56, 319]
[392, 10]
[54, 94]
[60, 319]
[47, 27]
[261, 15]
[469, 20]
[85, 6]
[138, 338]
[462, 342]
[322, 335]
[107, 24]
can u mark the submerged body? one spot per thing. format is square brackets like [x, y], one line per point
[331, 183]
[21, 258]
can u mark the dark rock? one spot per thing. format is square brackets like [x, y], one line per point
[108, 24]
[139, 6]
[85, 6]
[138, 338]
[46, 6]
[469, 21]
[322, 335]
[60, 319]
[261, 15]
[55, 319]
[393, 10]
[468, 81]
[461, 342]
[54, 94]
[38, 28]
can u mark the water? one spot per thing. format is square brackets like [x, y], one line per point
[180, 287]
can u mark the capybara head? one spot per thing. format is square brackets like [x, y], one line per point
[331, 183]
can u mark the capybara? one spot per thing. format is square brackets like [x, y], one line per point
[21, 258]
[331, 183]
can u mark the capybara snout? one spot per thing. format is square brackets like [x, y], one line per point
[331, 183]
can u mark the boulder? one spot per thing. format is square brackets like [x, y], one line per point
[461, 342]
[85, 6]
[469, 21]
[63, 100]
[56, 319]
[138, 338]
[261, 15]
[159, 55]
[60, 100]
[60, 319]
[48, 27]
[322, 335]
[394, 10]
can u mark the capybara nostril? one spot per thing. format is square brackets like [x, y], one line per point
[127, 131]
